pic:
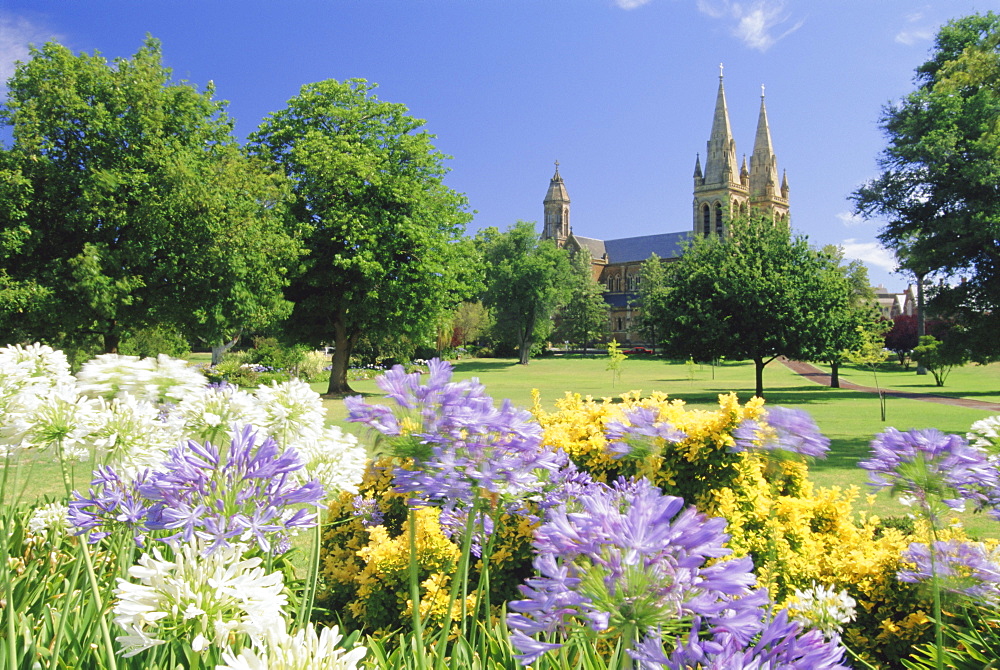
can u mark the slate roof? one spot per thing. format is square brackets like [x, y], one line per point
[636, 249]
[621, 299]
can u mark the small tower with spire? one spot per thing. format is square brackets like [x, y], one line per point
[721, 191]
[556, 225]
[767, 196]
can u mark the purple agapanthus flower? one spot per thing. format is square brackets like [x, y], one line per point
[783, 429]
[368, 511]
[463, 447]
[930, 466]
[640, 433]
[780, 644]
[247, 493]
[628, 558]
[964, 568]
[113, 505]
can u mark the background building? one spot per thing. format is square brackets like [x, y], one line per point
[722, 191]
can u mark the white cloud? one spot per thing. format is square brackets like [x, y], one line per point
[755, 23]
[850, 219]
[869, 252]
[16, 33]
[916, 30]
[630, 4]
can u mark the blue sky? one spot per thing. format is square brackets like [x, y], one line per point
[620, 92]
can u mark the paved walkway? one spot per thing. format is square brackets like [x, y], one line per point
[810, 371]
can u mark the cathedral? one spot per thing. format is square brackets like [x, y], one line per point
[721, 191]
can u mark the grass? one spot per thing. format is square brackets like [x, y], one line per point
[849, 418]
[977, 382]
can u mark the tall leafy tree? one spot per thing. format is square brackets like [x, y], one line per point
[385, 252]
[845, 323]
[757, 293]
[127, 203]
[583, 317]
[526, 281]
[939, 187]
[653, 290]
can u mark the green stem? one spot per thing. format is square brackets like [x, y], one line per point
[418, 632]
[936, 592]
[99, 603]
[309, 596]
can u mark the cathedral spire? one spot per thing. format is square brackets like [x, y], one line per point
[763, 162]
[720, 160]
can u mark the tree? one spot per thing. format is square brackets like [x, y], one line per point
[583, 316]
[129, 204]
[653, 291]
[844, 323]
[386, 256]
[901, 338]
[940, 357]
[526, 281]
[939, 187]
[470, 321]
[756, 293]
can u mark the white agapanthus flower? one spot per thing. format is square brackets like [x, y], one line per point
[34, 362]
[823, 608]
[985, 433]
[290, 412]
[209, 600]
[208, 414]
[160, 379]
[303, 650]
[129, 435]
[50, 517]
[62, 419]
[27, 374]
[334, 458]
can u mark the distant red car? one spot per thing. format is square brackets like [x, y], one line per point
[637, 350]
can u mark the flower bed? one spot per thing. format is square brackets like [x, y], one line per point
[633, 533]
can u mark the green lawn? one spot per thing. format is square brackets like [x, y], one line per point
[978, 382]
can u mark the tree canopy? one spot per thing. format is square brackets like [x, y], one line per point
[527, 279]
[386, 253]
[583, 317]
[128, 203]
[939, 186]
[756, 293]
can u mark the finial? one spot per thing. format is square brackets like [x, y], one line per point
[720, 70]
[557, 165]
[762, 91]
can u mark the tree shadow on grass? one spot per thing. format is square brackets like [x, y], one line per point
[481, 365]
[791, 396]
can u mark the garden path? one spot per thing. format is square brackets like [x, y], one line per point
[810, 371]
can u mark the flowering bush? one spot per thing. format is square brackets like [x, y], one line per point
[206, 483]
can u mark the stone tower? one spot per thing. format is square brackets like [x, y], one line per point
[766, 196]
[723, 188]
[556, 226]
[722, 192]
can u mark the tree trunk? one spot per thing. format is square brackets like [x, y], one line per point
[219, 350]
[343, 345]
[758, 363]
[921, 327]
[525, 352]
[834, 374]
[112, 339]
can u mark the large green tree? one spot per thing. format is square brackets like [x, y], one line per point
[527, 279]
[756, 293]
[127, 203]
[386, 253]
[846, 323]
[939, 186]
[583, 317]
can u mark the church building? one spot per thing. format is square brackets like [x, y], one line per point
[722, 191]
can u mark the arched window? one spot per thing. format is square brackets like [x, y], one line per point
[706, 216]
[718, 219]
